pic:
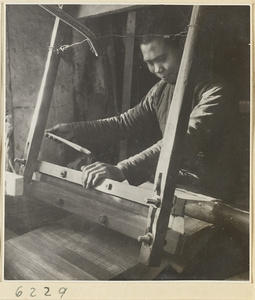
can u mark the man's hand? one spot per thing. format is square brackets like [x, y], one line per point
[93, 173]
[63, 130]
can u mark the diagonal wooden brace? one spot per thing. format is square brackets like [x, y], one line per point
[170, 159]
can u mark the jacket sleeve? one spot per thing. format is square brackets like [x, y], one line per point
[119, 127]
[141, 167]
[213, 106]
[211, 118]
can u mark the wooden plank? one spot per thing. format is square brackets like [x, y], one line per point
[40, 115]
[115, 188]
[113, 200]
[169, 159]
[128, 70]
[57, 253]
[107, 186]
[13, 184]
[97, 207]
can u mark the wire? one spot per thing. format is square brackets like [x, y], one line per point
[167, 36]
[182, 34]
[65, 47]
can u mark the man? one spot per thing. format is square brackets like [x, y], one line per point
[209, 152]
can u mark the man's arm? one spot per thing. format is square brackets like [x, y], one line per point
[209, 121]
[111, 129]
[116, 128]
[141, 167]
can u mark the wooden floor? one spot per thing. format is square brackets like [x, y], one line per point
[54, 252]
[47, 243]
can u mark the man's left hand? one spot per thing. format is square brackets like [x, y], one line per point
[93, 173]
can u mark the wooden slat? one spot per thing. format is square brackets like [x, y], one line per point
[128, 69]
[169, 159]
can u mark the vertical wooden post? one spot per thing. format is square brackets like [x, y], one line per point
[128, 69]
[40, 115]
[169, 160]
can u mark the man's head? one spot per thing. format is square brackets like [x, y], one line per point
[159, 28]
[162, 56]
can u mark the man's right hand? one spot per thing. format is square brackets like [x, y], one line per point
[63, 130]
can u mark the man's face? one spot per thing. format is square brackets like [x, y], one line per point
[162, 59]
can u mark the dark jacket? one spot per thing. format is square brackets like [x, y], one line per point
[209, 149]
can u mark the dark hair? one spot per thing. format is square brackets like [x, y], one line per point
[166, 22]
[174, 41]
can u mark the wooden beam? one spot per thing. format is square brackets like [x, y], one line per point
[221, 214]
[128, 69]
[115, 188]
[108, 186]
[104, 209]
[112, 200]
[40, 115]
[169, 160]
